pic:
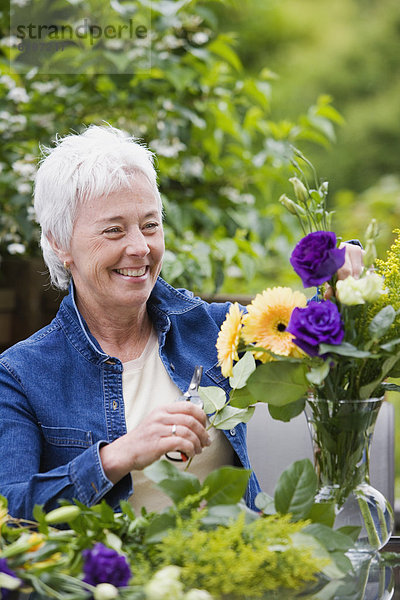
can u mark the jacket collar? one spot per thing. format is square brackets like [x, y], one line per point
[164, 300]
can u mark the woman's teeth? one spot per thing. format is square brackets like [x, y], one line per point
[132, 272]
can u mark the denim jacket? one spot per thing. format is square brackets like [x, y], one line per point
[61, 400]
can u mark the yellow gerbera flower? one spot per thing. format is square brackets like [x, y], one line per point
[228, 339]
[267, 319]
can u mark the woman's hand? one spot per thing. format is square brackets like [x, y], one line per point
[353, 265]
[180, 426]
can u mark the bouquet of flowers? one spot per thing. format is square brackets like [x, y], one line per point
[332, 353]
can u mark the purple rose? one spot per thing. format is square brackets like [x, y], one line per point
[318, 323]
[104, 565]
[5, 593]
[316, 258]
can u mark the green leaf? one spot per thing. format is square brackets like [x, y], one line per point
[242, 371]
[241, 398]
[159, 528]
[344, 349]
[323, 512]
[224, 51]
[229, 417]
[332, 570]
[265, 503]
[296, 489]
[389, 346]
[331, 539]
[382, 321]
[226, 485]
[317, 374]
[388, 365]
[214, 398]
[221, 515]
[350, 530]
[287, 412]
[176, 484]
[278, 383]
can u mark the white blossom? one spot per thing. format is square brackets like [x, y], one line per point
[372, 287]
[24, 188]
[168, 105]
[11, 41]
[25, 169]
[18, 94]
[165, 585]
[169, 150]
[349, 292]
[116, 44]
[198, 595]
[44, 87]
[193, 166]
[16, 248]
[105, 591]
[31, 73]
[8, 81]
[62, 91]
[200, 38]
[31, 213]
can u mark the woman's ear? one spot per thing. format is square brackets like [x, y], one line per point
[63, 255]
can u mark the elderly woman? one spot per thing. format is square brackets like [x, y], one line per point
[90, 400]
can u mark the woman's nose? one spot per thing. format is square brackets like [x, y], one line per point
[137, 244]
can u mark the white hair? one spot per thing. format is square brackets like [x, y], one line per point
[100, 161]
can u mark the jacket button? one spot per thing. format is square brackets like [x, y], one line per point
[172, 366]
[232, 432]
[110, 362]
[115, 405]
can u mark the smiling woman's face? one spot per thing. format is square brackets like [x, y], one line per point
[117, 248]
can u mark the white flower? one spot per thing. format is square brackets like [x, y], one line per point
[8, 81]
[24, 188]
[16, 248]
[105, 591]
[193, 166]
[20, 3]
[114, 44]
[349, 292]
[31, 213]
[44, 87]
[198, 595]
[165, 585]
[170, 150]
[18, 94]
[23, 168]
[19, 120]
[352, 291]
[200, 38]
[62, 91]
[168, 105]
[31, 74]
[10, 41]
[371, 287]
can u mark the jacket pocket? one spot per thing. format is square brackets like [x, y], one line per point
[67, 436]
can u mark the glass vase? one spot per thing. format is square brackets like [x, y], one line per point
[341, 432]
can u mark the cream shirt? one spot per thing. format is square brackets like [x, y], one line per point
[147, 385]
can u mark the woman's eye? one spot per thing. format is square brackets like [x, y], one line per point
[150, 226]
[113, 230]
